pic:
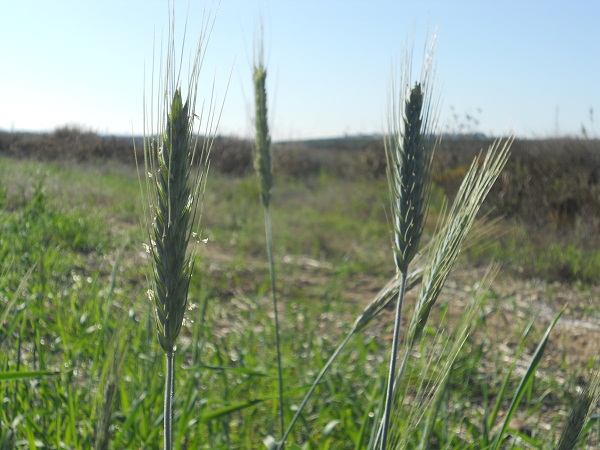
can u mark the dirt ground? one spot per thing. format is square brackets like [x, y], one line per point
[513, 301]
[574, 344]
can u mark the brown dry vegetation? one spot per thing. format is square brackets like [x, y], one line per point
[551, 184]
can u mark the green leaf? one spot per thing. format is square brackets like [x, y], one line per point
[535, 362]
[8, 376]
[230, 369]
[231, 408]
[500, 397]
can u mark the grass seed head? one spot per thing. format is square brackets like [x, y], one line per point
[176, 164]
[409, 147]
[447, 244]
[262, 161]
[172, 225]
[582, 409]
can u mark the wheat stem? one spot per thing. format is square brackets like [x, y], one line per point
[275, 315]
[409, 150]
[168, 402]
[262, 164]
[173, 195]
[389, 395]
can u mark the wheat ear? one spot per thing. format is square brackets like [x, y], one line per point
[176, 166]
[262, 157]
[409, 148]
[580, 413]
[172, 226]
[172, 267]
[450, 239]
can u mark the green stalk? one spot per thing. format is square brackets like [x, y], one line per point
[168, 403]
[275, 314]
[263, 168]
[175, 171]
[389, 395]
[409, 151]
[383, 298]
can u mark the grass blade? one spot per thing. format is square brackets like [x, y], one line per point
[529, 375]
[21, 375]
[504, 387]
[16, 295]
[226, 410]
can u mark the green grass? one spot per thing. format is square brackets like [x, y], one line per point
[82, 309]
[549, 258]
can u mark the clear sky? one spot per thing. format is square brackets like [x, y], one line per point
[531, 67]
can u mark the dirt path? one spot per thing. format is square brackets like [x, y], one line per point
[513, 302]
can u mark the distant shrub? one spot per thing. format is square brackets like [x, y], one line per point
[231, 156]
[296, 161]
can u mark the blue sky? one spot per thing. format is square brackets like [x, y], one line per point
[530, 67]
